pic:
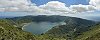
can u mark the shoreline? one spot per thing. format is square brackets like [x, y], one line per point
[25, 24]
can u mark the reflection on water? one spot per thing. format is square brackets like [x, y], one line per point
[40, 27]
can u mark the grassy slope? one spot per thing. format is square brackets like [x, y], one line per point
[9, 32]
[73, 28]
[92, 34]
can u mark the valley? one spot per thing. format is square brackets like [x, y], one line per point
[49, 19]
[54, 27]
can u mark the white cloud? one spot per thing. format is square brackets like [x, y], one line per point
[95, 3]
[52, 7]
[2, 9]
[60, 7]
[21, 6]
[82, 8]
[56, 6]
[16, 5]
[13, 2]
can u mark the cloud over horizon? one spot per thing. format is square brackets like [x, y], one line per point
[95, 3]
[60, 7]
[48, 8]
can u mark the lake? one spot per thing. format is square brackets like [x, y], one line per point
[41, 27]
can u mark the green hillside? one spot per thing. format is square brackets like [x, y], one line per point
[92, 34]
[9, 32]
[73, 28]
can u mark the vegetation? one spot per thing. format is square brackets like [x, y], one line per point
[9, 32]
[19, 21]
[92, 34]
[75, 29]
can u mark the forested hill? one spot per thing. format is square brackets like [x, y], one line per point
[73, 28]
[39, 18]
[92, 34]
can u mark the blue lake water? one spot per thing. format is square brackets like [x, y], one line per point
[40, 27]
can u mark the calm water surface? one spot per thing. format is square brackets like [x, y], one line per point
[40, 27]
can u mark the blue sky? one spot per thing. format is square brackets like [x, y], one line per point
[67, 2]
[12, 8]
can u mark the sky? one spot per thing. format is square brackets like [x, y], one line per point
[67, 2]
[47, 7]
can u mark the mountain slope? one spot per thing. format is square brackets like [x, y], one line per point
[73, 28]
[9, 32]
[39, 18]
[92, 34]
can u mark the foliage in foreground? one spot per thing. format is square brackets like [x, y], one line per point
[9, 32]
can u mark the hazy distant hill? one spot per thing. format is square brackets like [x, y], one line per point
[39, 18]
[6, 17]
[43, 18]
